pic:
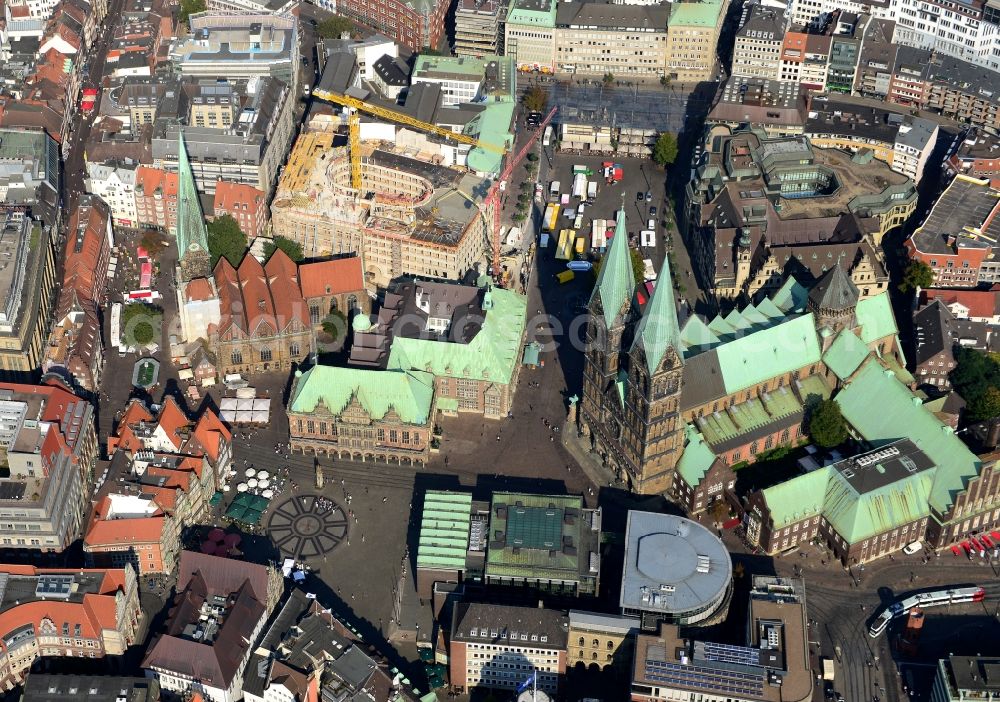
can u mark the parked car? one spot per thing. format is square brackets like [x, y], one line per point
[652, 212]
[649, 196]
[639, 197]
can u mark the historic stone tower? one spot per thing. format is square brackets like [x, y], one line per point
[834, 300]
[632, 374]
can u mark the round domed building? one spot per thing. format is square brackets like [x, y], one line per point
[676, 571]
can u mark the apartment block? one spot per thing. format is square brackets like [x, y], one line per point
[757, 49]
[594, 39]
[479, 27]
[692, 39]
[499, 646]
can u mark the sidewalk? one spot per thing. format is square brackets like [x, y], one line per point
[579, 448]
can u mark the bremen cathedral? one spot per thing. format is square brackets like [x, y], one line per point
[661, 393]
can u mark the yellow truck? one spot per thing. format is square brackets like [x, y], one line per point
[565, 276]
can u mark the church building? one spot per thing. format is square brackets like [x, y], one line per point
[736, 385]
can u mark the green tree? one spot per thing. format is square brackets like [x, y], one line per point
[190, 7]
[536, 99]
[333, 27]
[609, 78]
[917, 275]
[140, 323]
[977, 379]
[225, 238]
[664, 80]
[638, 266]
[665, 149]
[827, 425]
[154, 243]
[292, 248]
[986, 406]
[335, 324]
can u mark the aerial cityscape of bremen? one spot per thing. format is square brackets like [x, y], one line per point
[500, 350]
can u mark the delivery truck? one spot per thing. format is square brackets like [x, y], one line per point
[550, 218]
[565, 276]
[579, 185]
[598, 237]
[554, 189]
[592, 190]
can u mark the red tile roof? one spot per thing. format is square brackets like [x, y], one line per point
[981, 303]
[283, 284]
[333, 277]
[230, 195]
[149, 179]
[232, 323]
[257, 303]
[199, 289]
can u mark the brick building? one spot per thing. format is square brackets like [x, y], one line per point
[156, 198]
[245, 203]
[64, 613]
[499, 647]
[416, 24]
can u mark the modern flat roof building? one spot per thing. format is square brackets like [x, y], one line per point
[959, 238]
[771, 666]
[544, 542]
[43, 687]
[675, 571]
[963, 678]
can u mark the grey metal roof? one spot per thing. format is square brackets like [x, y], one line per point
[662, 553]
[608, 16]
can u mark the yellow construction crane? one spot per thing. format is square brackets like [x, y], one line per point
[385, 113]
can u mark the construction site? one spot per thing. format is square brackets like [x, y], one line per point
[409, 217]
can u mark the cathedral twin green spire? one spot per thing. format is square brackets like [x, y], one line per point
[659, 328]
[615, 281]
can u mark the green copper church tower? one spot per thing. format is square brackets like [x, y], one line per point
[632, 374]
[194, 259]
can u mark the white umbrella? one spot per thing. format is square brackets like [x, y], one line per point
[225, 489]
[242, 487]
[250, 472]
[263, 474]
[263, 483]
[268, 494]
[252, 482]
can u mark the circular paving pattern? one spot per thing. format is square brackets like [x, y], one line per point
[307, 526]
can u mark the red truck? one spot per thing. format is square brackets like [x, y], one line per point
[612, 172]
[89, 99]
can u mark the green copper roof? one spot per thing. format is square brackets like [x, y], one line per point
[493, 126]
[875, 317]
[697, 335]
[533, 537]
[444, 530]
[408, 393]
[491, 355]
[695, 14]
[616, 281]
[845, 354]
[857, 517]
[754, 358]
[659, 329]
[525, 13]
[798, 498]
[696, 459]
[791, 296]
[742, 419]
[882, 410]
[191, 230]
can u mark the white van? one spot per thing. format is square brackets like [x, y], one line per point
[912, 548]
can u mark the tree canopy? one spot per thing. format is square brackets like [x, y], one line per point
[536, 99]
[977, 379]
[292, 248]
[638, 266]
[917, 275]
[140, 323]
[335, 324]
[333, 27]
[190, 7]
[154, 243]
[827, 425]
[665, 149]
[225, 238]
